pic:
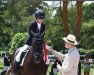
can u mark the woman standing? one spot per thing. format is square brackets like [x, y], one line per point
[86, 64]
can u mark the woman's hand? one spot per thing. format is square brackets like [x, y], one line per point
[50, 49]
[59, 67]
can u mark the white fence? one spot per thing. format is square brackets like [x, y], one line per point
[2, 53]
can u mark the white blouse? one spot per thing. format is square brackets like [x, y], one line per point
[39, 26]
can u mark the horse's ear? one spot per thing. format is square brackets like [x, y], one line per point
[43, 33]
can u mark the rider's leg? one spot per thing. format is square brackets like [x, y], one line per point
[24, 48]
[17, 58]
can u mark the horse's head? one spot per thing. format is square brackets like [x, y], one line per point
[37, 48]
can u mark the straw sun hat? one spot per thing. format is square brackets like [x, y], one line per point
[71, 39]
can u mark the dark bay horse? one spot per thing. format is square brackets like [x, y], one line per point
[34, 63]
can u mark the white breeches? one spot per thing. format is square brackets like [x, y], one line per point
[6, 67]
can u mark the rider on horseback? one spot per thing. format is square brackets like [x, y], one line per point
[38, 27]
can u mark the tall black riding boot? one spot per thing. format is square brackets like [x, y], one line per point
[15, 67]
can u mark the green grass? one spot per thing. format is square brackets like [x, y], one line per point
[1, 64]
[91, 71]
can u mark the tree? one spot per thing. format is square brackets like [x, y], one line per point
[78, 17]
[88, 9]
[5, 28]
[65, 18]
[72, 18]
[15, 16]
[87, 36]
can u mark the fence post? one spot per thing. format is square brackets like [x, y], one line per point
[79, 68]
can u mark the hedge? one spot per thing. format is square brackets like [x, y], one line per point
[17, 41]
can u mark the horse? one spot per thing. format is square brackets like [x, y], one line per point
[34, 63]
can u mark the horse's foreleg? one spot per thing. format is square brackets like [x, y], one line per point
[9, 71]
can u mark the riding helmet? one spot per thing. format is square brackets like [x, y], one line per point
[39, 14]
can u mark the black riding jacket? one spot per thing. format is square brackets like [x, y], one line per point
[34, 27]
[6, 61]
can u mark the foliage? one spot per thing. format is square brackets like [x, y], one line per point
[17, 41]
[55, 37]
[88, 12]
[87, 36]
[54, 29]
[72, 19]
[84, 51]
[14, 18]
[4, 27]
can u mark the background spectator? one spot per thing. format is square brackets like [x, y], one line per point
[86, 64]
[6, 61]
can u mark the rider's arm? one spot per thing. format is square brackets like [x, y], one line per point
[29, 39]
[32, 28]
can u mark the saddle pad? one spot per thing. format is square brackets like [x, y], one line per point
[24, 53]
[23, 58]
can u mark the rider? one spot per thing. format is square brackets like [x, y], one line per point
[36, 26]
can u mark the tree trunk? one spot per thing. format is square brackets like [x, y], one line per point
[78, 17]
[65, 18]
